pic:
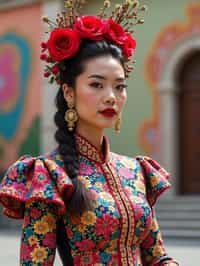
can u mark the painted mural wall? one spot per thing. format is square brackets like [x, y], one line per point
[20, 82]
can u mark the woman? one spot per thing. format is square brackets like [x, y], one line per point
[95, 206]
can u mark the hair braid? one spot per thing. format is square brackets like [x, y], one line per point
[80, 201]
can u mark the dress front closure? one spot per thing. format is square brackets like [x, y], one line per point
[126, 214]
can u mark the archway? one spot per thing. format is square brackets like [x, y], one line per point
[169, 89]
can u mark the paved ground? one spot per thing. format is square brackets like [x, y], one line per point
[187, 253]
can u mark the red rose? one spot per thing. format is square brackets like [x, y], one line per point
[129, 45]
[90, 27]
[62, 44]
[115, 32]
[55, 70]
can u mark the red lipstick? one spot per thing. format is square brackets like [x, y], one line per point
[109, 112]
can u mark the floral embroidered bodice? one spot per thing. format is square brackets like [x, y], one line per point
[120, 230]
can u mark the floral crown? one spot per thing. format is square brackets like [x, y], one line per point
[70, 28]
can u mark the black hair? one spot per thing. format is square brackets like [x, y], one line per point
[73, 67]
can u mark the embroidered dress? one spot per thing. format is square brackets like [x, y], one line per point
[121, 229]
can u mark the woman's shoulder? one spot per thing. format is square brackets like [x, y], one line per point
[34, 178]
[155, 177]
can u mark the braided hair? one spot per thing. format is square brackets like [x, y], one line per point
[73, 67]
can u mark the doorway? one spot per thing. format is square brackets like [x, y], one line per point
[189, 125]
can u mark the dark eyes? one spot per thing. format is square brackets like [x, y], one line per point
[121, 87]
[99, 85]
[96, 85]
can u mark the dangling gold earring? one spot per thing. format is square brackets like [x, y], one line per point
[71, 116]
[118, 124]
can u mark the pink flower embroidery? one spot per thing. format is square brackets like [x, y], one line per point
[12, 171]
[149, 241]
[125, 172]
[25, 252]
[87, 259]
[85, 244]
[85, 169]
[50, 240]
[114, 260]
[105, 225]
[35, 213]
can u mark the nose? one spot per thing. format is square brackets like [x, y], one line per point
[110, 97]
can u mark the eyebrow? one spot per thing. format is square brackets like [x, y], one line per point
[103, 78]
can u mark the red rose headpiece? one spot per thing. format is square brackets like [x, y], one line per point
[71, 28]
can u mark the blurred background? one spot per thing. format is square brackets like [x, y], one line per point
[161, 118]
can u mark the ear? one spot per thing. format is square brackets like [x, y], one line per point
[68, 93]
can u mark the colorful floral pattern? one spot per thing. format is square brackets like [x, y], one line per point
[122, 228]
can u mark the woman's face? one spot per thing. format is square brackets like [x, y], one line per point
[100, 93]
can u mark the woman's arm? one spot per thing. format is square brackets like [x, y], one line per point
[38, 243]
[152, 248]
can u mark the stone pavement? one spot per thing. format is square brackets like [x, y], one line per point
[186, 252]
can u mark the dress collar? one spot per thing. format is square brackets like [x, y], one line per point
[91, 152]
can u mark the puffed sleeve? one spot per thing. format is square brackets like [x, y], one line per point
[34, 178]
[157, 181]
[156, 178]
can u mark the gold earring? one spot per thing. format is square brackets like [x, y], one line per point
[118, 124]
[71, 116]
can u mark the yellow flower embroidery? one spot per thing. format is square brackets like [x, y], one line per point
[33, 240]
[113, 245]
[136, 199]
[106, 196]
[88, 217]
[158, 251]
[140, 177]
[111, 208]
[81, 228]
[43, 205]
[50, 220]
[28, 204]
[130, 164]
[140, 186]
[39, 254]
[154, 226]
[41, 227]
[154, 180]
[98, 185]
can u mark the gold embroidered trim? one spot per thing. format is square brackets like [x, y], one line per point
[127, 215]
[90, 151]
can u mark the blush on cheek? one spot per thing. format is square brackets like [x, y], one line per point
[123, 99]
[87, 94]
[85, 98]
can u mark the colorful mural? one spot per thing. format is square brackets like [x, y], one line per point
[166, 41]
[20, 83]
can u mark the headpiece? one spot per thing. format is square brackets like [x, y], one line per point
[70, 28]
